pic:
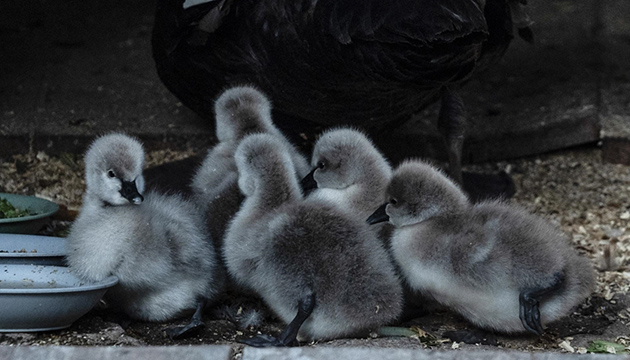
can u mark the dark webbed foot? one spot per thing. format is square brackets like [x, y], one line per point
[529, 313]
[529, 304]
[263, 340]
[196, 324]
[288, 337]
[474, 336]
[180, 332]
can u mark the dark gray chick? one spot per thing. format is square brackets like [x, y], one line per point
[320, 270]
[240, 111]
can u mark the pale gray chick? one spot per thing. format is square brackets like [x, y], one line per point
[156, 245]
[500, 267]
[348, 170]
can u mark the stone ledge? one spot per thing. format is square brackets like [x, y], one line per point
[305, 353]
[222, 352]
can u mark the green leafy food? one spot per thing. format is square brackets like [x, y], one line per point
[7, 210]
[606, 347]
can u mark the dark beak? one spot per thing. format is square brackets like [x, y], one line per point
[378, 216]
[308, 183]
[130, 192]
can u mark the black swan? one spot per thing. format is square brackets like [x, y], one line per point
[368, 63]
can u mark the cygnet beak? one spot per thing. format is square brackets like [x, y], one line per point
[308, 183]
[130, 192]
[379, 215]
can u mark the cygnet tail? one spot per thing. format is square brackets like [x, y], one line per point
[579, 283]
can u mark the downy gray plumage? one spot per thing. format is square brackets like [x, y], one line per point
[305, 256]
[157, 245]
[494, 263]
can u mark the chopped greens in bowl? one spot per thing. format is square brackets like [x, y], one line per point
[23, 214]
[8, 211]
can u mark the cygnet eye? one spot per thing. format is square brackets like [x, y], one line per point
[111, 173]
[393, 201]
[321, 165]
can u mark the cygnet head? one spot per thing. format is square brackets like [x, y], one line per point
[263, 161]
[419, 191]
[341, 157]
[113, 169]
[241, 111]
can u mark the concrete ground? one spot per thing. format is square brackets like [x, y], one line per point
[224, 353]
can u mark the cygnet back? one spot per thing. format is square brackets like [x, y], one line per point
[306, 252]
[419, 191]
[497, 265]
[245, 110]
[240, 111]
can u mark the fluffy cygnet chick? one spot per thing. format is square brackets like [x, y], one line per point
[319, 269]
[156, 245]
[497, 265]
[349, 171]
[240, 111]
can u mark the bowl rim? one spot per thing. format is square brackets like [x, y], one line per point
[30, 217]
[108, 282]
[59, 253]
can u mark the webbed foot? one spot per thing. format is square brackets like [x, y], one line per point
[288, 336]
[196, 324]
[264, 340]
[529, 304]
[180, 332]
[529, 313]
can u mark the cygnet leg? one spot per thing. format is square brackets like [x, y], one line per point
[178, 332]
[452, 125]
[289, 334]
[529, 309]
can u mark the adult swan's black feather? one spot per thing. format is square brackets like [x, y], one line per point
[371, 63]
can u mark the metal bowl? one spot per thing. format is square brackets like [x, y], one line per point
[41, 208]
[41, 298]
[32, 249]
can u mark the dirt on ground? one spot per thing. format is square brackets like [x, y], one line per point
[588, 199]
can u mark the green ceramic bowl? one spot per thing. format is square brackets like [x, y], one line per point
[40, 208]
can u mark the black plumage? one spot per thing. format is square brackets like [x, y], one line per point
[369, 63]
